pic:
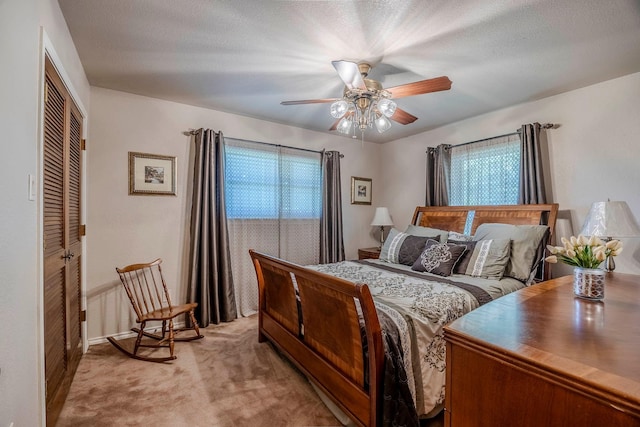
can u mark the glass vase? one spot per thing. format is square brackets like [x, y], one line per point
[588, 283]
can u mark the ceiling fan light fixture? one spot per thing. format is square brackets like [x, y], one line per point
[339, 108]
[387, 107]
[382, 123]
[365, 104]
[344, 126]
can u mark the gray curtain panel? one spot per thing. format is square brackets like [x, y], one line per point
[331, 238]
[210, 278]
[532, 188]
[438, 175]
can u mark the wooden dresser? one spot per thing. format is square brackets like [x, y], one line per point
[542, 357]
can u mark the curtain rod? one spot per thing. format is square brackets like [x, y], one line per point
[543, 126]
[193, 132]
[485, 139]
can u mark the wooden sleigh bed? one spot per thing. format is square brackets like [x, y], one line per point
[330, 328]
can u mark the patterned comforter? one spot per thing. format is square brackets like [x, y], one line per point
[420, 305]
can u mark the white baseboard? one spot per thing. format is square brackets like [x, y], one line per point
[130, 334]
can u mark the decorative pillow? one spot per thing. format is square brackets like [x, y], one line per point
[463, 262]
[416, 230]
[459, 237]
[438, 258]
[402, 248]
[525, 240]
[489, 259]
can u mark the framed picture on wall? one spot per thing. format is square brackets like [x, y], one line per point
[152, 174]
[360, 191]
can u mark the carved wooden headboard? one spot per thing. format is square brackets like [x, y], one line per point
[465, 219]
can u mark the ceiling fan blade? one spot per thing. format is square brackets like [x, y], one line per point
[420, 87]
[403, 117]
[310, 101]
[350, 74]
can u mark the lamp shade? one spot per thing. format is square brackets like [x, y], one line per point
[344, 126]
[382, 124]
[387, 107]
[382, 217]
[339, 108]
[610, 219]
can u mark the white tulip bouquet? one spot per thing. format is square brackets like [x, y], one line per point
[583, 252]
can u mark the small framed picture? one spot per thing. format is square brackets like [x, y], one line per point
[152, 174]
[360, 191]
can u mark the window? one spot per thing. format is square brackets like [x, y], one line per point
[486, 173]
[273, 201]
[272, 183]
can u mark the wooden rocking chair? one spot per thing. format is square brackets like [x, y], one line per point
[150, 299]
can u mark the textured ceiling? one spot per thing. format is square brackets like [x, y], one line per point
[244, 57]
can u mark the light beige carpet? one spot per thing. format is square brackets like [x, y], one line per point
[225, 379]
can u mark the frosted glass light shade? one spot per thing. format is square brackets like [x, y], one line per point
[382, 218]
[387, 107]
[339, 108]
[344, 126]
[610, 219]
[382, 124]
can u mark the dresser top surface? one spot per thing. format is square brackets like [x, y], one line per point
[548, 326]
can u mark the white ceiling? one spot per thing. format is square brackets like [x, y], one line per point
[245, 56]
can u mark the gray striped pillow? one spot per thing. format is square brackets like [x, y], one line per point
[488, 259]
[403, 248]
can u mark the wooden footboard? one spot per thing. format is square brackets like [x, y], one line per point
[315, 320]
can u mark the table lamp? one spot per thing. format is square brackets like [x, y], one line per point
[382, 219]
[609, 220]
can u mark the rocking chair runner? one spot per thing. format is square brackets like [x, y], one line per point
[147, 291]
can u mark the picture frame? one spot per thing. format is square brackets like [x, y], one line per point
[152, 174]
[361, 190]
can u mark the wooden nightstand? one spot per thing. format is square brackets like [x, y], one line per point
[367, 253]
[540, 357]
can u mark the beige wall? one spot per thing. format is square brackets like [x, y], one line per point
[594, 154]
[123, 229]
[21, 353]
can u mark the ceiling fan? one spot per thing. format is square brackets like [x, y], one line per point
[365, 103]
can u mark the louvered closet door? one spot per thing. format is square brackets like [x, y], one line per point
[62, 241]
[74, 336]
